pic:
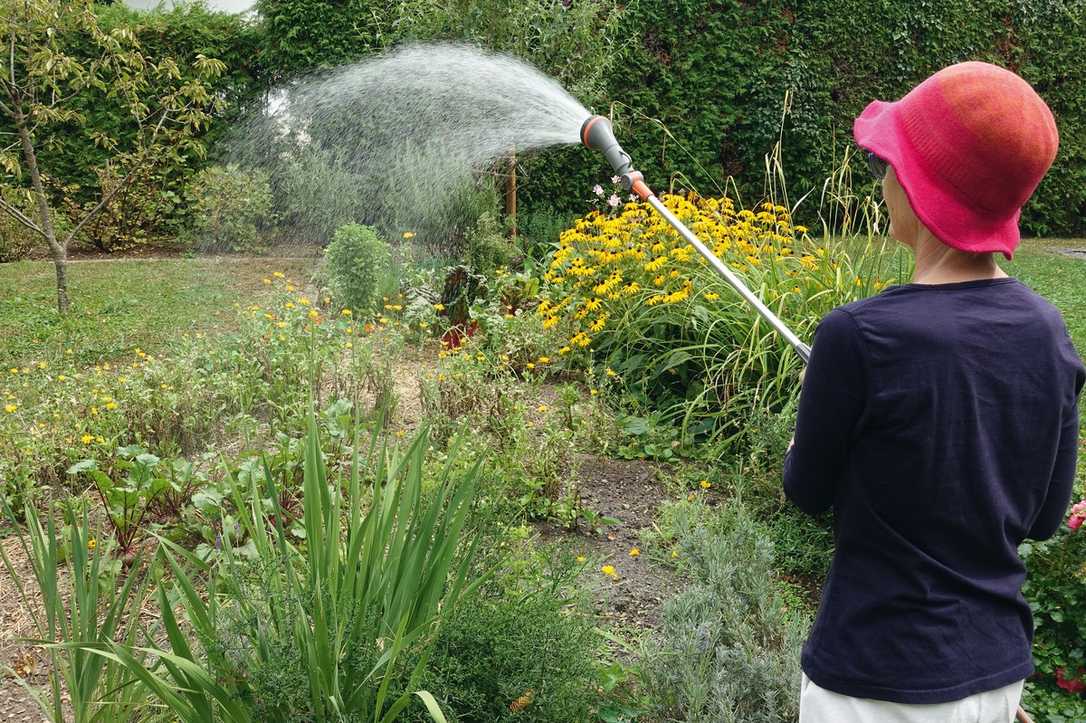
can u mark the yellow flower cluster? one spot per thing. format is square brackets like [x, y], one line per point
[634, 256]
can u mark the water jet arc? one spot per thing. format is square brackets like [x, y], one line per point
[597, 134]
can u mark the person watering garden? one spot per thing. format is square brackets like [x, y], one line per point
[939, 420]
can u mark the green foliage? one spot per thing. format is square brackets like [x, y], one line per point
[228, 206]
[100, 608]
[340, 612]
[487, 247]
[359, 265]
[315, 195]
[521, 648]
[728, 647]
[1054, 589]
[151, 210]
[703, 85]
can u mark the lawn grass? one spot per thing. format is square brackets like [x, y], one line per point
[119, 305]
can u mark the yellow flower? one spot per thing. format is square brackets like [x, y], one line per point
[582, 559]
[111, 405]
[705, 484]
[611, 372]
[635, 552]
[278, 274]
[593, 392]
[290, 287]
[712, 296]
[346, 312]
[609, 571]
[62, 378]
[408, 235]
[674, 554]
[564, 350]
[304, 300]
[42, 365]
[439, 308]
[266, 280]
[530, 365]
[87, 438]
[314, 314]
[10, 408]
[544, 360]
[91, 544]
[289, 305]
[542, 408]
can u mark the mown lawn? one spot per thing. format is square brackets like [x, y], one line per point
[119, 305]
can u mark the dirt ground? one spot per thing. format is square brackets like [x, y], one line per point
[26, 661]
[631, 492]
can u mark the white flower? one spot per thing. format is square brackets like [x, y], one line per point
[614, 200]
[597, 189]
[633, 197]
[616, 179]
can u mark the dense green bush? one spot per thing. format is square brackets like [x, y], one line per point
[1054, 588]
[228, 207]
[359, 267]
[522, 649]
[728, 648]
[702, 85]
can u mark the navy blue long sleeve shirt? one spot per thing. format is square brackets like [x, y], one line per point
[940, 422]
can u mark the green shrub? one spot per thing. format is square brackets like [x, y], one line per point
[487, 247]
[1056, 590]
[728, 648]
[16, 240]
[359, 267]
[520, 652]
[228, 206]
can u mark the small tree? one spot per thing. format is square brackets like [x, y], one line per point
[39, 81]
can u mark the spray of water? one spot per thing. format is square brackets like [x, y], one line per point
[402, 140]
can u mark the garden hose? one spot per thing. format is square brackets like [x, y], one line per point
[597, 134]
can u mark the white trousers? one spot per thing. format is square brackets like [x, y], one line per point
[818, 705]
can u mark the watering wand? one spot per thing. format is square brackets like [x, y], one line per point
[597, 134]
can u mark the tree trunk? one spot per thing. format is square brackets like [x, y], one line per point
[58, 250]
[511, 194]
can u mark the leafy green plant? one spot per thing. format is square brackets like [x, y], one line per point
[1054, 588]
[342, 609]
[359, 267]
[228, 206]
[132, 481]
[728, 647]
[93, 607]
[523, 648]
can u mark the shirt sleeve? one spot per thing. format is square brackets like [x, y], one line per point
[830, 404]
[1061, 486]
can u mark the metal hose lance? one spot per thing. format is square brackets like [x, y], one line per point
[597, 134]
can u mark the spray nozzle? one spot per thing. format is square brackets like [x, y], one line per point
[597, 134]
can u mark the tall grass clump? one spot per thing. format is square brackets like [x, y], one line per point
[728, 646]
[80, 600]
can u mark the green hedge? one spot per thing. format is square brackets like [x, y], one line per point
[181, 33]
[716, 74]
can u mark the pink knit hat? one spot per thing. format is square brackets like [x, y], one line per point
[969, 146]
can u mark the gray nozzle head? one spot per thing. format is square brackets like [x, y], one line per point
[597, 134]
